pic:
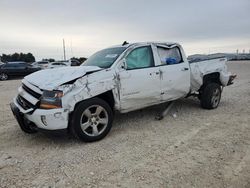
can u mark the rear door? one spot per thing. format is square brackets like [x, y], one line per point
[21, 69]
[140, 81]
[175, 73]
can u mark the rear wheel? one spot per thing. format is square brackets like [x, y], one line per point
[3, 76]
[210, 96]
[92, 120]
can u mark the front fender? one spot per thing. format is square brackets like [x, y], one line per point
[87, 87]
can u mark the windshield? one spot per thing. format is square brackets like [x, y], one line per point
[104, 58]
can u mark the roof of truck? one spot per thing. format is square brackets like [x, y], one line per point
[145, 43]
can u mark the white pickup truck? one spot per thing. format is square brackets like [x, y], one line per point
[121, 78]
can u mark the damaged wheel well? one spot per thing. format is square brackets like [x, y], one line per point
[108, 97]
[211, 78]
[207, 79]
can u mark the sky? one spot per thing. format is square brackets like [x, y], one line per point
[201, 26]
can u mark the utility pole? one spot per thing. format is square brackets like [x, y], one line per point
[71, 48]
[64, 55]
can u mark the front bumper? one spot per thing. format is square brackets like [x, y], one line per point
[23, 123]
[55, 119]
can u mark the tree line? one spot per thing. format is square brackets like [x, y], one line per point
[29, 58]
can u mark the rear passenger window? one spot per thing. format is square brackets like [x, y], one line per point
[21, 65]
[169, 56]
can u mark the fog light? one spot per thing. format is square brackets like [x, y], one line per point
[43, 119]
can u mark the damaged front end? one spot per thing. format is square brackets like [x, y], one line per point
[88, 86]
[46, 103]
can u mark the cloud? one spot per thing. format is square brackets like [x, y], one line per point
[200, 25]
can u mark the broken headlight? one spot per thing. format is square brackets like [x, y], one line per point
[51, 99]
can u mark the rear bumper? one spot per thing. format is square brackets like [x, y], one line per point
[55, 119]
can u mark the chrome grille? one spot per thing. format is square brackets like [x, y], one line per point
[31, 92]
[24, 103]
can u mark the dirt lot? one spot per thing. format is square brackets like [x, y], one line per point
[193, 148]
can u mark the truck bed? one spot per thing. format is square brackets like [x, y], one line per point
[201, 68]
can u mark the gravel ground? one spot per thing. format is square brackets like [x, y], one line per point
[191, 147]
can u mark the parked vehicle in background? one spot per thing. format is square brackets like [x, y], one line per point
[41, 64]
[74, 62]
[71, 62]
[19, 68]
[57, 65]
[121, 78]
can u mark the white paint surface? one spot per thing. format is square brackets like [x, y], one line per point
[50, 79]
[132, 89]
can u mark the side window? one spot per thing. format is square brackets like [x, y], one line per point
[20, 65]
[24, 64]
[169, 56]
[6, 66]
[9, 66]
[141, 57]
[43, 62]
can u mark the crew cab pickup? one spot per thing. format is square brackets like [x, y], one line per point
[120, 78]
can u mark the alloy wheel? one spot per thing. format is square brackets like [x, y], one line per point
[94, 120]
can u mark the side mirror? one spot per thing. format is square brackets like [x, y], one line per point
[124, 64]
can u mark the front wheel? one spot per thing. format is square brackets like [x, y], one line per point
[92, 120]
[210, 96]
[3, 76]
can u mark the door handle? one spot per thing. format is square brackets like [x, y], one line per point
[185, 69]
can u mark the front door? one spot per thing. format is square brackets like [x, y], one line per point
[140, 81]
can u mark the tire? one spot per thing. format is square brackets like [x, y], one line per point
[4, 76]
[92, 120]
[210, 96]
[27, 129]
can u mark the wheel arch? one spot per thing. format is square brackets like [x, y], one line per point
[211, 78]
[106, 96]
[105, 100]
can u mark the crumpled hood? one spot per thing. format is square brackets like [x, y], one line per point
[49, 79]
